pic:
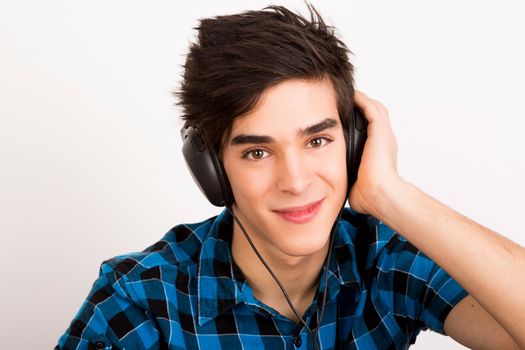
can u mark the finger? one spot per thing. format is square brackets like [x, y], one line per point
[366, 107]
[372, 109]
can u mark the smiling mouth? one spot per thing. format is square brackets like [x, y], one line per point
[300, 215]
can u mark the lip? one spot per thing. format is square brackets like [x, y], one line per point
[300, 215]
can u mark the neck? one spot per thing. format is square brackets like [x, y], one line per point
[299, 275]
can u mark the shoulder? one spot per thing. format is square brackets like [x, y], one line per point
[179, 249]
[380, 251]
[371, 238]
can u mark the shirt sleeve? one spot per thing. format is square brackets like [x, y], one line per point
[420, 293]
[109, 319]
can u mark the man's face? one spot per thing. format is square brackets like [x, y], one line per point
[286, 162]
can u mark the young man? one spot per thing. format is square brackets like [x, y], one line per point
[284, 266]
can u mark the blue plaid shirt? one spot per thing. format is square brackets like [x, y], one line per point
[185, 292]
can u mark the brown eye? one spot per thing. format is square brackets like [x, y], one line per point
[257, 154]
[317, 142]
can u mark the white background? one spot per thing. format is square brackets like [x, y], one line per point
[89, 138]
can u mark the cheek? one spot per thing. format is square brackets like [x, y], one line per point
[334, 169]
[248, 183]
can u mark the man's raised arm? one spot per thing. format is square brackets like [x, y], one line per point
[489, 266]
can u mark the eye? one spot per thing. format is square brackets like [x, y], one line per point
[318, 142]
[255, 154]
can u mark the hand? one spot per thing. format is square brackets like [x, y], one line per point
[378, 167]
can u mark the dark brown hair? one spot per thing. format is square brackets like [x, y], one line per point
[237, 57]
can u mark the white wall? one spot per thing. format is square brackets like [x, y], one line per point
[90, 151]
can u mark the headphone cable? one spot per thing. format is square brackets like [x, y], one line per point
[327, 262]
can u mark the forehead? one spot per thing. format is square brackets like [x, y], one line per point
[289, 106]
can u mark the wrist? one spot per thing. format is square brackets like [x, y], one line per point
[385, 196]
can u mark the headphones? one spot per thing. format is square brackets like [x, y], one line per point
[209, 174]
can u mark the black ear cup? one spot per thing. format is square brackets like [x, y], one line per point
[207, 170]
[356, 143]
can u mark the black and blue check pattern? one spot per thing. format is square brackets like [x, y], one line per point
[185, 292]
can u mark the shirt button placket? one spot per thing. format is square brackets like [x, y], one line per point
[99, 345]
[297, 342]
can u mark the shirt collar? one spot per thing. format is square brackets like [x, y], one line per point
[344, 263]
[221, 284]
[218, 277]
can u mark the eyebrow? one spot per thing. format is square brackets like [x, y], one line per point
[244, 139]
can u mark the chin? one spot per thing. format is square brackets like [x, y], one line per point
[304, 240]
[307, 238]
[303, 250]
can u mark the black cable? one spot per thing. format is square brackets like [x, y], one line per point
[326, 264]
[330, 247]
[271, 272]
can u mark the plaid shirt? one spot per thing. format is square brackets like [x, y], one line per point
[185, 292]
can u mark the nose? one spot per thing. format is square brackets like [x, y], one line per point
[293, 174]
